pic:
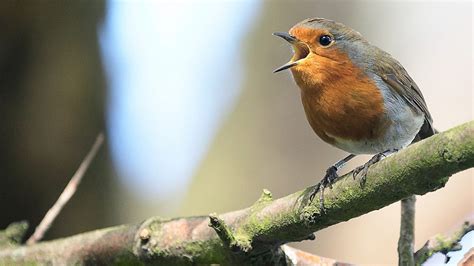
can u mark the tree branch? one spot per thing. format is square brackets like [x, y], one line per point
[266, 225]
[443, 244]
[407, 232]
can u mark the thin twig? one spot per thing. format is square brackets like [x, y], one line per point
[223, 231]
[67, 193]
[407, 232]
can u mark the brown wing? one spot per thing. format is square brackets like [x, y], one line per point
[397, 79]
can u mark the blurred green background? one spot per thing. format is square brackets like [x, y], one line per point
[195, 120]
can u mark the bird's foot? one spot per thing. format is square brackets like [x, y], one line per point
[328, 179]
[363, 169]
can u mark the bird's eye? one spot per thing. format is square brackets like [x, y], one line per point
[325, 40]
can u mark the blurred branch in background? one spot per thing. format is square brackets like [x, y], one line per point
[259, 231]
[67, 193]
[443, 244]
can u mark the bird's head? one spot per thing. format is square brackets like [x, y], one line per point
[323, 50]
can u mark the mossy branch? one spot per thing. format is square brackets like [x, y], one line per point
[423, 167]
[13, 234]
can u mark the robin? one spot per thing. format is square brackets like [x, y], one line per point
[356, 96]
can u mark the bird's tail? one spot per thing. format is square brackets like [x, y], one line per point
[427, 130]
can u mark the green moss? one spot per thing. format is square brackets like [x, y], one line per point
[127, 261]
[310, 215]
[13, 234]
[266, 196]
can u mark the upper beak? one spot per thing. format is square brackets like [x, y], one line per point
[291, 39]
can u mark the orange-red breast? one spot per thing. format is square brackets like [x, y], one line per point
[356, 96]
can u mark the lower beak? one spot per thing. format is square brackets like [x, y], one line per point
[292, 40]
[285, 66]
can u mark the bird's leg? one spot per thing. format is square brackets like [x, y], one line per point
[328, 179]
[365, 167]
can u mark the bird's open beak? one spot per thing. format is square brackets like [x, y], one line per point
[292, 40]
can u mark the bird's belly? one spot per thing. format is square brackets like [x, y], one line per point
[405, 125]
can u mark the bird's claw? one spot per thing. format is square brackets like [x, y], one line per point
[328, 179]
[331, 175]
[314, 192]
[363, 169]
